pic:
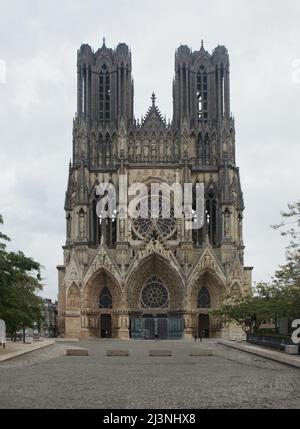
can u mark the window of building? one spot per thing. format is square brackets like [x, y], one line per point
[83, 83]
[154, 294]
[212, 217]
[202, 94]
[104, 94]
[204, 298]
[223, 89]
[105, 301]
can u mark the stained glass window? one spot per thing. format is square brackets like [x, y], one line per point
[154, 294]
[204, 298]
[105, 299]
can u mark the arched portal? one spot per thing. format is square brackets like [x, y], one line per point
[204, 295]
[155, 293]
[102, 301]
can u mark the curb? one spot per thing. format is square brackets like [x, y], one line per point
[67, 340]
[265, 353]
[29, 350]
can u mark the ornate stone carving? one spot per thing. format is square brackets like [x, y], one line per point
[109, 142]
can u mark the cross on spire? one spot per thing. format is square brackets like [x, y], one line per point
[153, 98]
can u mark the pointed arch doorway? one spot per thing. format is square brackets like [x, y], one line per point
[105, 326]
[155, 296]
[105, 304]
[203, 325]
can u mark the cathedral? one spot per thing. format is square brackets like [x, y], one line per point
[145, 277]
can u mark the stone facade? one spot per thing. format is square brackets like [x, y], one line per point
[118, 273]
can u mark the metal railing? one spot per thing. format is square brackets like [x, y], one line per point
[271, 341]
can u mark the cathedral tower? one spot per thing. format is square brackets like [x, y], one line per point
[140, 277]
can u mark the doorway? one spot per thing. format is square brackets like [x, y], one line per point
[162, 329]
[156, 328]
[203, 325]
[105, 326]
[149, 329]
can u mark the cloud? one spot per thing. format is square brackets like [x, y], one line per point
[38, 102]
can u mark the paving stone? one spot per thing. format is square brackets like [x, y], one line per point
[201, 352]
[230, 379]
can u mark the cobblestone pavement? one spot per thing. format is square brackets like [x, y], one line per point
[229, 379]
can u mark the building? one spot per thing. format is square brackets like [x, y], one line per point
[142, 278]
[49, 325]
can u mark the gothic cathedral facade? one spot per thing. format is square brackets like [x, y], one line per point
[145, 278]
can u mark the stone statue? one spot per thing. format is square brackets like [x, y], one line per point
[227, 223]
[81, 225]
[69, 223]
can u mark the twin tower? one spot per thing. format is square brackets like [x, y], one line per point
[142, 278]
[200, 89]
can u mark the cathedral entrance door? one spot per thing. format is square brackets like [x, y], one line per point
[162, 329]
[149, 329]
[203, 325]
[105, 326]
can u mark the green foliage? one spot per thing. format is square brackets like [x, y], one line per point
[247, 311]
[20, 281]
[289, 273]
[279, 299]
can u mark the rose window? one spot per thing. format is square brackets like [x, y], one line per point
[154, 294]
[158, 219]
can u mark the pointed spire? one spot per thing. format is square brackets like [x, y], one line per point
[153, 98]
[153, 112]
[240, 200]
[70, 187]
[202, 45]
[103, 44]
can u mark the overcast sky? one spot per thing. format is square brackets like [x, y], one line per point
[38, 46]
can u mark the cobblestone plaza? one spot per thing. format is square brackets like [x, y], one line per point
[229, 379]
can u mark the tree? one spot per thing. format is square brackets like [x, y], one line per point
[247, 311]
[279, 299]
[20, 281]
[287, 277]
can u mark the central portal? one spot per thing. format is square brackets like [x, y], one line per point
[160, 327]
[155, 297]
[156, 327]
